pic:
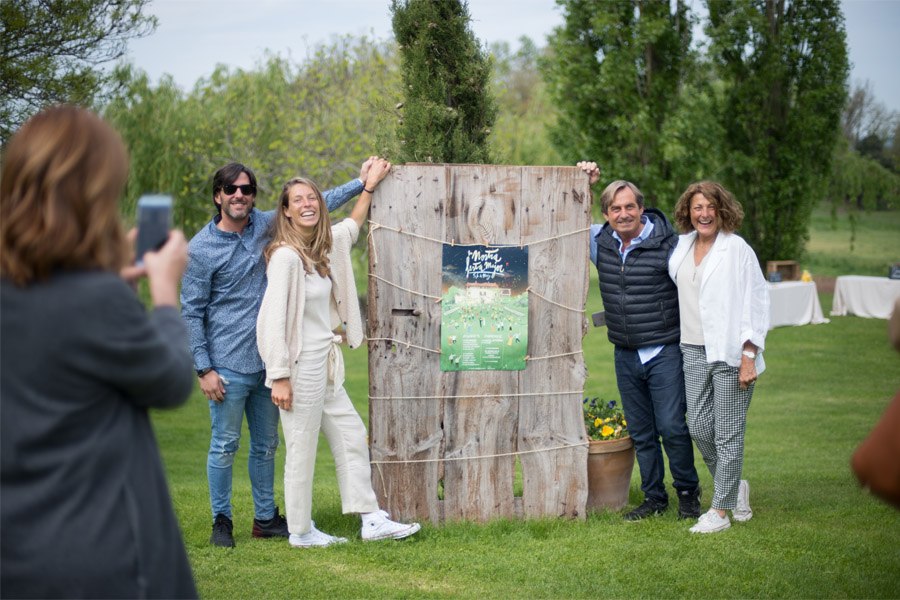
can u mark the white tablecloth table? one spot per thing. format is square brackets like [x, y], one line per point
[794, 303]
[871, 297]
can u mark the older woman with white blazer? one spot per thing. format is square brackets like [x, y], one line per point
[724, 305]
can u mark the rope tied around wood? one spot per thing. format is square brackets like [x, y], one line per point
[437, 299]
[379, 463]
[409, 345]
[442, 397]
[480, 456]
[374, 226]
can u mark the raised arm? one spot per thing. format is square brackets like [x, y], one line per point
[337, 197]
[377, 172]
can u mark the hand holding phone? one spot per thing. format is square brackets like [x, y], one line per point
[154, 220]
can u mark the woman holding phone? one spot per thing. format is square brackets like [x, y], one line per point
[310, 291]
[84, 502]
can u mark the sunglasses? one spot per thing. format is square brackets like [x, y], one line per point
[248, 189]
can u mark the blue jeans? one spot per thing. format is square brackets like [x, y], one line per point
[654, 403]
[243, 393]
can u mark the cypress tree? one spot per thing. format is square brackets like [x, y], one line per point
[447, 111]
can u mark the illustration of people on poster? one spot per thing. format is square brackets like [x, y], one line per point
[484, 311]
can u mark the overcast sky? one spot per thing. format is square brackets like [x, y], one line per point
[195, 35]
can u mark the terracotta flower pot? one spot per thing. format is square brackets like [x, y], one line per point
[610, 463]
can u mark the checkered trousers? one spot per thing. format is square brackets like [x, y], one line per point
[717, 419]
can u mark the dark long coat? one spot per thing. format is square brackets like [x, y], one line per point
[84, 502]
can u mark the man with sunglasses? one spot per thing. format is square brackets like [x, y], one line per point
[221, 292]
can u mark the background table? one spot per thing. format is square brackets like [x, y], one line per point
[863, 296]
[794, 303]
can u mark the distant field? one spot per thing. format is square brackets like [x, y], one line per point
[834, 249]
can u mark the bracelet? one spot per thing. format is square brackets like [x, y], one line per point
[365, 189]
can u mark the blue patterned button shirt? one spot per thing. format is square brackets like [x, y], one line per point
[223, 287]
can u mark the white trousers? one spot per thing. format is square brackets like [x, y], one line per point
[316, 405]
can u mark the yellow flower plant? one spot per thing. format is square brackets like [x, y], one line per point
[604, 420]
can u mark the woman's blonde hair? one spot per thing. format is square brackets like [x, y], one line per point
[63, 174]
[313, 248]
[729, 212]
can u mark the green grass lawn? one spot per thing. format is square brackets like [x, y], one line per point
[814, 532]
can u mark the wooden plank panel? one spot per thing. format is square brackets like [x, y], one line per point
[404, 429]
[557, 203]
[482, 209]
[469, 439]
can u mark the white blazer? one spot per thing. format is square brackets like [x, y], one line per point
[734, 297]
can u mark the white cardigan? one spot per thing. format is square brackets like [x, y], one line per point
[734, 297]
[278, 333]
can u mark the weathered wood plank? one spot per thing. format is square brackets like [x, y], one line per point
[411, 199]
[470, 438]
[555, 481]
[482, 209]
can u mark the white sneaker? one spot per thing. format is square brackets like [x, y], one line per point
[377, 526]
[742, 512]
[314, 539]
[711, 522]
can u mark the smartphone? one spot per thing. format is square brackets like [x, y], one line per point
[154, 220]
[599, 318]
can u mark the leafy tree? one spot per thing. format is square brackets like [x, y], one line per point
[784, 63]
[864, 116]
[864, 169]
[319, 118]
[525, 110]
[858, 182]
[616, 71]
[894, 151]
[52, 51]
[447, 109]
[872, 146]
[154, 127]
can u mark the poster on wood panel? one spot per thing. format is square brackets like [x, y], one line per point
[484, 308]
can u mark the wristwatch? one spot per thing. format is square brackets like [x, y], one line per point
[202, 372]
[749, 354]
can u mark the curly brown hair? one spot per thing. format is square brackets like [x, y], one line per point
[729, 213]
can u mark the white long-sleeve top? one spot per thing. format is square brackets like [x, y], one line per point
[734, 297]
[278, 326]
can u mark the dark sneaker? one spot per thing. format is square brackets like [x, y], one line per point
[689, 503]
[222, 532]
[646, 509]
[274, 527]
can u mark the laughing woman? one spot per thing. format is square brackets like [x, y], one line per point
[310, 291]
[724, 303]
